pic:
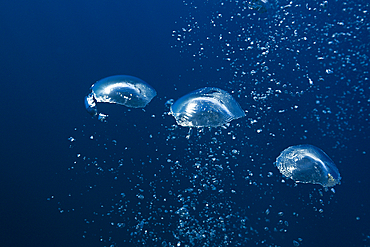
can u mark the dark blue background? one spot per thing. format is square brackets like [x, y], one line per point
[51, 52]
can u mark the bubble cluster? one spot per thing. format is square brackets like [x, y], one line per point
[299, 69]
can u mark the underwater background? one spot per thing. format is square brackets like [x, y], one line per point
[299, 70]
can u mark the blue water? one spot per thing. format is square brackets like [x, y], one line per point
[300, 71]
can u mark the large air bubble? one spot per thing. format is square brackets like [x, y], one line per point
[308, 164]
[206, 107]
[124, 90]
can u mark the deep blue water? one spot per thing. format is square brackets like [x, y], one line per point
[61, 193]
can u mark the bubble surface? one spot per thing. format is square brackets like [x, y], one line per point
[308, 164]
[206, 107]
[124, 90]
[259, 5]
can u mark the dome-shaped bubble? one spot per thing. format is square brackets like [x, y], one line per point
[308, 164]
[206, 107]
[124, 90]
